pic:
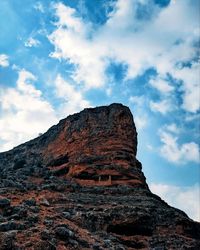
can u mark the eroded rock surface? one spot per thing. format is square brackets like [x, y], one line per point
[80, 186]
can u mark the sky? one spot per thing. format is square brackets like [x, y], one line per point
[58, 57]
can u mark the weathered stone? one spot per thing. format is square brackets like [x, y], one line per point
[44, 202]
[11, 225]
[80, 186]
[21, 211]
[4, 202]
[45, 235]
[67, 215]
[63, 232]
[7, 241]
[41, 245]
[30, 202]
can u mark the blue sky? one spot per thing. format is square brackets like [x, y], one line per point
[58, 57]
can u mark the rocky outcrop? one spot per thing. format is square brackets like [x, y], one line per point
[80, 186]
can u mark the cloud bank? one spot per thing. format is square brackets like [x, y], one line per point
[24, 112]
[163, 38]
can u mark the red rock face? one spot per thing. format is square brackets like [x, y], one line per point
[99, 146]
[80, 186]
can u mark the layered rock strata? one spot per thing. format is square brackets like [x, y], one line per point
[80, 186]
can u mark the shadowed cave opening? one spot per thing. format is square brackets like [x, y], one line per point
[86, 176]
[60, 171]
[91, 176]
[59, 161]
[101, 178]
[19, 164]
[130, 229]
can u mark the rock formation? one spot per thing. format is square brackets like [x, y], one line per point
[80, 186]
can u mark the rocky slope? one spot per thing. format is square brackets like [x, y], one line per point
[80, 186]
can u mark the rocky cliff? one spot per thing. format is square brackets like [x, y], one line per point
[80, 186]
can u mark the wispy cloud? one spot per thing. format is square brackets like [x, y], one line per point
[138, 101]
[32, 42]
[184, 198]
[141, 122]
[39, 6]
[72, 100]
[173, 128]
[178, 153]
[190, 77]
[4, 62]
[140, 116]
[162, 107]
[71, 41]
[161, 84]
[24, 112]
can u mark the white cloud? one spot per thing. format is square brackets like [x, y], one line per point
[161, 84]
[68, 18]
[140, 122]
[73, 100]
[32, 42]
[4, 62]
[72, 43]
[191, 86]
[137, 100]
[192, 117]
[140, 116]
[39, 6]
[162, 41]
[150, 147]
[163, 106]
[184, 198]
[173, 128]
[23, 112]
[178, 153]
[109, 91]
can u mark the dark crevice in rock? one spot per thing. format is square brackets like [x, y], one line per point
[59, 161]
[61, 171]
[105, 177]
[130, 229]
[142, 226]
[19, 164]
[133, 244]
[86, 176]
